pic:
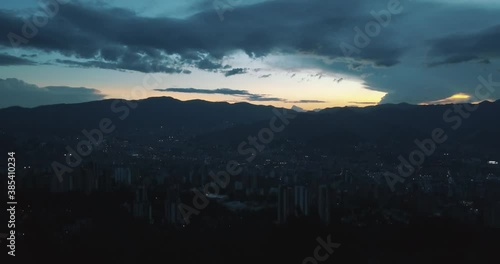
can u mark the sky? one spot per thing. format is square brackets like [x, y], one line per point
[312, 54]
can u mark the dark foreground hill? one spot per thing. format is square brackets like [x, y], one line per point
[194, 116]
[225, 123]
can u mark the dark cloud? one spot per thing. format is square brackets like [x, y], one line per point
[8, 60]
[396, 61]
[141, 65]
[224, 91]
[307, 101]
[264, 98]
[241, 93]
[14, 92]
[235, 71]
[454, 59]
[364, 103]
[265, 76]
[116, 38]
[481, 46]
[207, 64]
[485, 61]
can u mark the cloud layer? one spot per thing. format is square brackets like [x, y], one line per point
[240, 93]
[118, 38]
[8, 60]
[14, 92]
[430, 51]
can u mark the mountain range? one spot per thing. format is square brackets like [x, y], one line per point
[225, 123]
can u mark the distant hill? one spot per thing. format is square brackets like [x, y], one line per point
[394, 124]
[192, 117]
[225, 123]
